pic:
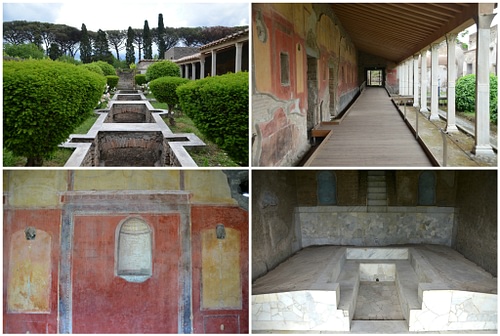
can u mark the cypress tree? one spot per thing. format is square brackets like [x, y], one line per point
[161, 41]
[130, 52]
[85, 46]
[146, 37]
[101, 48]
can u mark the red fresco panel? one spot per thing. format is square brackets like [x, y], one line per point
[105, 303]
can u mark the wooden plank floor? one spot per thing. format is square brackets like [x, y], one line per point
[373, 134]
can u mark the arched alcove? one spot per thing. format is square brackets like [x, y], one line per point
[427, 188]
[134, 252]
[326, 188]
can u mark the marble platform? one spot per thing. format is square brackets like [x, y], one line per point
[318, 289]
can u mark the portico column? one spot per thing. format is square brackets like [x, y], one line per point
[451, 41]
[400, 79]
[435, 85]
[239, 54]
[482, 139]
[415, 80]
[186, 71]
[202, 66]
[410, 77]
[214, 63]
[423, 81]
[193, 71]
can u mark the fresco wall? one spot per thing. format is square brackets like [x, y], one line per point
[124, 252]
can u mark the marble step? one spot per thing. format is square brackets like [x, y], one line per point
[377, 202]
[349, 285]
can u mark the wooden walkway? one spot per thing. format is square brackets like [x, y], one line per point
[372, 134]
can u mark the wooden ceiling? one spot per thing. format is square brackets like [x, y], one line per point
[395, 31]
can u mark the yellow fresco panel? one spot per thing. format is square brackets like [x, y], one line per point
[220, 272]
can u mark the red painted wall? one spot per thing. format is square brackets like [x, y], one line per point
[47, 220]
[208, 321]
[105, 303]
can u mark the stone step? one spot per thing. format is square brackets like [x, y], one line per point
[376, 208]
[377, 184]
[377, 196]
[377, 202]
[349, 285]
[376, 172]
[376, 190]
[376, 178]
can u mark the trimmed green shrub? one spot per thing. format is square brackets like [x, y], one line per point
[93, 67]
[140, 79]
[107, 69]
[219, 108]
[465, 98]
[43, 102]
[162, 69]
[26, 51]
[112, 81]
[68, 59]
[164, 90]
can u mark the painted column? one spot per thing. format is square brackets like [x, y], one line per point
[193, 71]
[400, 79]
[415, 80]
[239, 56]
[434, 82]
[451, 41]
[423, 81]
[214, 63]
[405, 79]
[202, 66]
[482, 137]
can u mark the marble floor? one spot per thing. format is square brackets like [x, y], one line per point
[403, 289]
[378, 301]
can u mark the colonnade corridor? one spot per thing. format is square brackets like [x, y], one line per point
[371, 134]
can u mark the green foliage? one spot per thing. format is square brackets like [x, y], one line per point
[26, 51]
[112, 81]
[85, 46]
[219, 108]
[465, 91]
[43, 102]
[162, 69]
[140, 79]
[68, 59]
[130, 52]
[164, 90]
[107, 69]
[93, 67]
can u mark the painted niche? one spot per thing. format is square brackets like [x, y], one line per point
[134, 252]
[29, 280]
[326, 188]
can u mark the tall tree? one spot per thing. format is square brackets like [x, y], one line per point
[146, 35]
[138, 41]
[130, 54]
[54, 51]
[161, 42]
[101, 48]
[117, 39]
[85, 46]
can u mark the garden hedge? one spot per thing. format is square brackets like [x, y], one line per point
[219, 108]
[107, 69]
[140, 79]
[93, 67]
[43, 102]
[465, 92]
[112, 81]
[162, 69]
[164, 90]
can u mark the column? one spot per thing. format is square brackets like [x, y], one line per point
[415, 80]
[202, 66]
[434, 82]
[239, 56]
[214, 63]
[193, 71]
[186, 71]
[423, 81]
[409, 71]
[400, 79]
[482, 137]
[451, 41]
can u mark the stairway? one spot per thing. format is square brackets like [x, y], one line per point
[377, 191]
[126, 80]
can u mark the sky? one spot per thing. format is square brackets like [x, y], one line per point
[119, 15]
